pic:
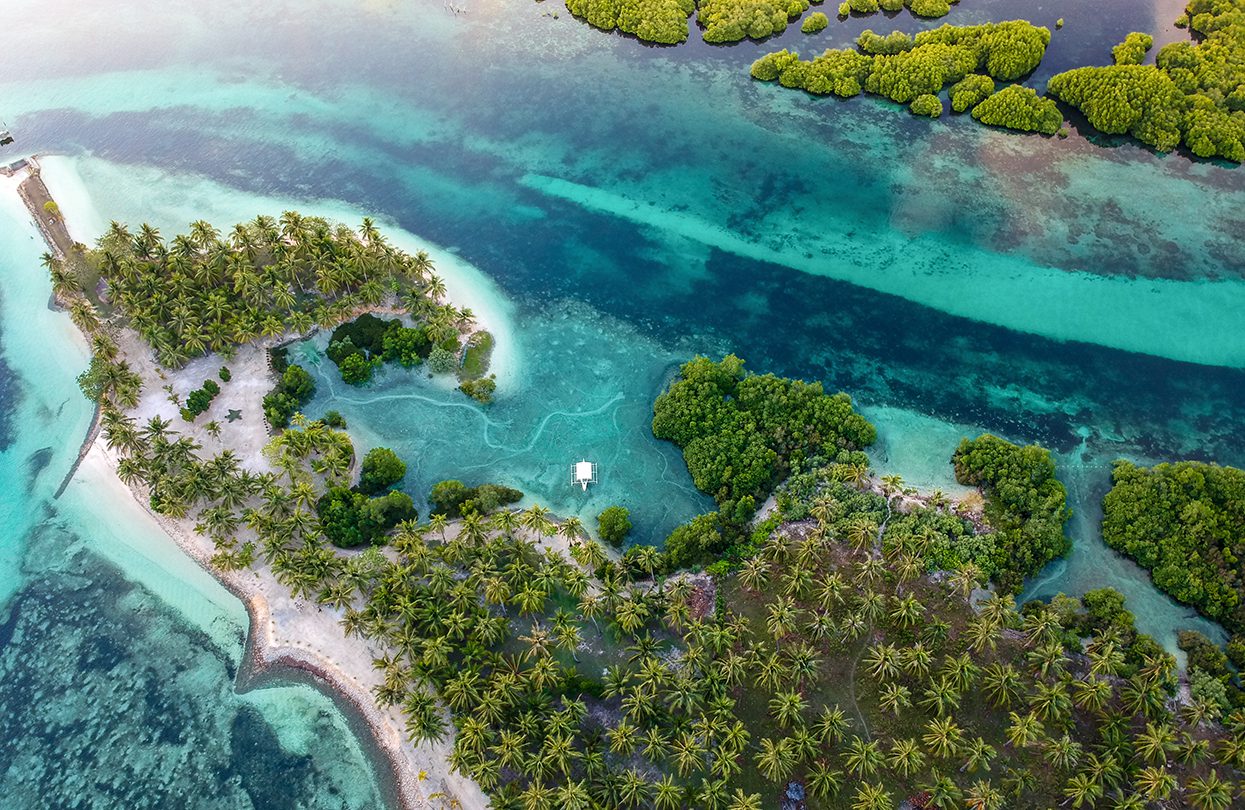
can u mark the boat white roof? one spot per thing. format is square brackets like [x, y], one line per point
[583, 471]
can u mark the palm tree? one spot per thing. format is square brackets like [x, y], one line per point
[863, 758]
[1209, 792]
[872, 797]
[775, 759]
[905, 757]
[1082, 790]
[981, 795]
[1023, 731]
[1156, 784]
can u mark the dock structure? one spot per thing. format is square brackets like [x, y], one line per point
[36, 196]
[584, 473]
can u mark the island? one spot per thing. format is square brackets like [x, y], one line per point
[827, 637]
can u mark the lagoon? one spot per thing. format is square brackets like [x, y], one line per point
[614, 208]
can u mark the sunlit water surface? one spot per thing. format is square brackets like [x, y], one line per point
[611, 209]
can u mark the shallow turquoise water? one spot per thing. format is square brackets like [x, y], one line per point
[627, 206]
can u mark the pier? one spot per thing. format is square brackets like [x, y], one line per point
[36, 196]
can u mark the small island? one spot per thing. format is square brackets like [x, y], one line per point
[827, 636]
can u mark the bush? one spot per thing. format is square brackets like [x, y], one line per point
[455, 499]
[1025, 504]
[613, 525]
[409, 346]
[224, 374]
[200, 400]
[295, 389]
[1020, 108]
[356, 369]
[442, 360]
[733, 20]
[927, 105]
[661, 21]
[929, 8]
[480, 390]
[970, 91]
[1183, 523]
[476, 357]
[334, 419]
[817, 21]
[381, 469]
[1133, 49]
[698, 539]
[349, 518]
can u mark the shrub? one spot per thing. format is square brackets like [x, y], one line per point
[476, 357]
[970, 91]
[817, 21]
[700, 538]
[928, 105]
[613, 525]
[454, 498]
[442, 361]
[480, 390]
[293, 390]
[224, 374]
[381, 469]
[733, 20]
[1020, 108]
[661, 21]
[334, 419]
[200, 400]
[349, 518]
[1025, 504]
[356, 369]
[1133, 49]
[929, 8]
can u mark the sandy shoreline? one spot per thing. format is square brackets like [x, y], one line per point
[284, 633]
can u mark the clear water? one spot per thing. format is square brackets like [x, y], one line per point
[614, 208]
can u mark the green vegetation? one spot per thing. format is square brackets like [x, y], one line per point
[1191, 96]
[661, 21]
[741, 434]
[479, 350]
[613, 525]
[455, 499]
[294, 389]
[1185, 524]
[224, 374]
[831, 663]
[199, 400]
[1133, 49]
[349, 518]
[912, 70]
[1025, 504]
[480, 390]
[1019, 108]
[380, 470]
[733, 20]
[817, 21]
[203, 293]
[970, 91]
[361, 346]
[928, 104]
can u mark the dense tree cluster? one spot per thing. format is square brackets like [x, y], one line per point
[927, 104]
[201, 292]
[921, 8]
[199, 400]
[903, 67]
[970, 91]
[660, 21]
[817, 21]
[1133, 49]
[829, 662]
[1026, 505]
[1020, 108]
[295, 387]
[733, 20]
[380, 470]
[741, 432]
[1185, 524]
[613, 525]
[1193, 95]
[454, 499]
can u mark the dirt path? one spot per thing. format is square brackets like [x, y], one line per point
[35, 194]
